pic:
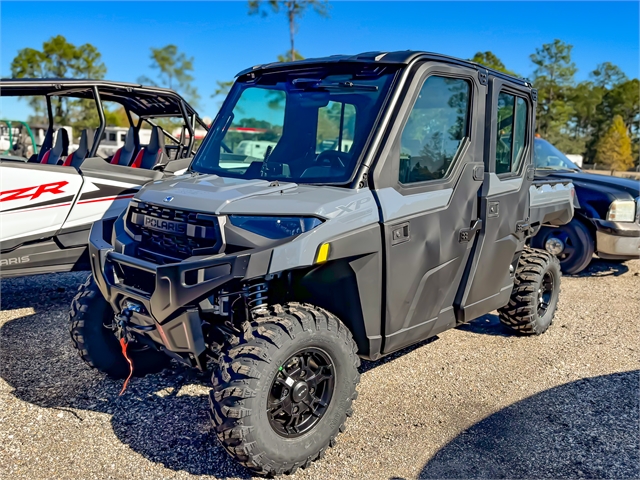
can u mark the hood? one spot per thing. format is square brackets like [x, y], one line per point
[206, 193]
[623, 188]
[223, 195]
[596, 192]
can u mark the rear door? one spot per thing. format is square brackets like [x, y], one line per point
[426, 182]
[504, 202]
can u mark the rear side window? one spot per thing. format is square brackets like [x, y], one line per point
[435, 130]
[511, 132]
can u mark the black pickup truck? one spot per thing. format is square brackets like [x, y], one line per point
[607, 222]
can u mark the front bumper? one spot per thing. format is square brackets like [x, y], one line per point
[617, 240]
[170, 306]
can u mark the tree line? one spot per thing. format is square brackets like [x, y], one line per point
[597, 118]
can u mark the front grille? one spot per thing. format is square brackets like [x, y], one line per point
[167, 235]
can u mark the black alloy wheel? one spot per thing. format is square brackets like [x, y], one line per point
[301, 392]
[545, 294]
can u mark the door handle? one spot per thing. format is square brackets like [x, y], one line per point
[400, 233]
[493, 209]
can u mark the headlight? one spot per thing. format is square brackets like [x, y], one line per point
[275, 227]
[622, 211]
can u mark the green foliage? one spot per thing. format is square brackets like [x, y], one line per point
[286, 57]
[489, 60]
[174, 71]
[607, 75]
[614, 148]
[293, 10]
[59, 58]
[553, 77]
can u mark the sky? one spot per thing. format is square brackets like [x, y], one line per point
[224, 39]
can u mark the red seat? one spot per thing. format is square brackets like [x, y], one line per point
[76, 158]
[153, 153]
[59, 150]
[124, 155]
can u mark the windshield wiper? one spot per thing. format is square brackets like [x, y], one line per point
[317, 84]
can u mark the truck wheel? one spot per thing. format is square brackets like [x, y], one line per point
[535, 293]
[96, 343]
[283, 388]
[571, 243]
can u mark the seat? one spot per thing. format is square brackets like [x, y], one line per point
[124, 155]
[47, 144]
[59, 150]
[153, 153]
[76, 158]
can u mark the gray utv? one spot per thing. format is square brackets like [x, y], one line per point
[338, 208]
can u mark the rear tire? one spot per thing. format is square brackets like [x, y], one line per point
[250, 400]
[534, 298]
[97, 345]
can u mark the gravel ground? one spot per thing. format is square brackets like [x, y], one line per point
[475, 403]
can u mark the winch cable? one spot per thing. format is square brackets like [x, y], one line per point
[124, 344]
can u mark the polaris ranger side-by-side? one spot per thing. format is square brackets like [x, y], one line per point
[394, 204]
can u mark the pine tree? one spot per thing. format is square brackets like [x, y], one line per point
[614, 147]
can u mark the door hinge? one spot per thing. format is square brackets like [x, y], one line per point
[478, 172]
[466, 234]
[522, 226]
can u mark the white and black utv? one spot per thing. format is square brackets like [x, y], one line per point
[392, 202]
[49, 201]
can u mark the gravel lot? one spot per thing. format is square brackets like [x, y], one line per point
[475, 403]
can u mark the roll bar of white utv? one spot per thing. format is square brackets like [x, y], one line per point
[168, 104]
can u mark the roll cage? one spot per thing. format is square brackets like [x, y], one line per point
[144, 102]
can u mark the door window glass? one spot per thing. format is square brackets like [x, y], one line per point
[435, 130]
[505, 132]
[521, 130]
[511, 132]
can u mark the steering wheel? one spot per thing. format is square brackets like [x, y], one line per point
[333, 158]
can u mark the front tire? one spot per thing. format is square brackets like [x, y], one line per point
[283, 388]
[97, 345]
[534, 298]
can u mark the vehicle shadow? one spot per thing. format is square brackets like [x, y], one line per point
[366, 365]
[603, 268]
[488, 324]
[583, 429]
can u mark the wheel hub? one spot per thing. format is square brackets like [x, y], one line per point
[301, 392]
[554, 246]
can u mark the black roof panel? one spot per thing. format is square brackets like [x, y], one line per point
[144, 101]
[403, 57]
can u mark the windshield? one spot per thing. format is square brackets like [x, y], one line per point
[303, 125]
[548, 157]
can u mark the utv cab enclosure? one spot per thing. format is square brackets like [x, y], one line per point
[49, 200]
[283, 269]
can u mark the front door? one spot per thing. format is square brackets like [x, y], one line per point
[427, 183]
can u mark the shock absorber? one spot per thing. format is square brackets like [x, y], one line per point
[255, 295]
